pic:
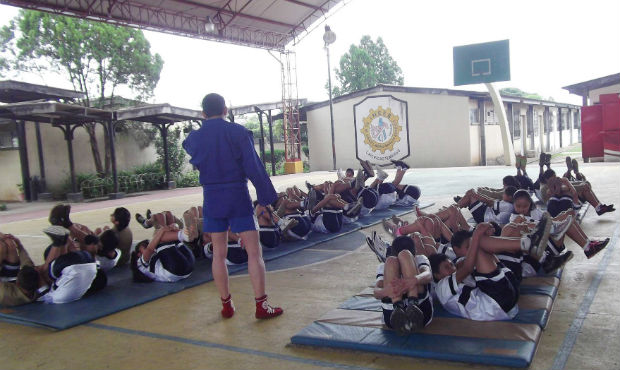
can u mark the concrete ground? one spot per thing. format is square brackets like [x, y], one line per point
[185, 331]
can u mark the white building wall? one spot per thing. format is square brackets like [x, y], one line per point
[438, 131]
[594, 94]
[56, 156]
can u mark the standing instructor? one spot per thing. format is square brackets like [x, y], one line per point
[225, 156]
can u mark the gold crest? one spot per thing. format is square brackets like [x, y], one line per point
[381, 129]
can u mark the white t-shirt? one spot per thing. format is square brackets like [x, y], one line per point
[500, 212]
[478, 307]
[105, 263]
[535, 216]
[73, 282]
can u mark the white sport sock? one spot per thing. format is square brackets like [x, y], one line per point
[526, 243]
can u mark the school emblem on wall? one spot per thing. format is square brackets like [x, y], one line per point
[381, 129]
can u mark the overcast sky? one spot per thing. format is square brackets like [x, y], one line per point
[552, 44]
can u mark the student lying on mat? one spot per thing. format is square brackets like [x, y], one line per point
[19, 279]
[526, 215]
[578, 191]
[487, 209]
[235, 253]
[271, 226]
[403, 286]
[69, 272]
[430, 228]
[60, 216]
[480, 287]
[165, 258]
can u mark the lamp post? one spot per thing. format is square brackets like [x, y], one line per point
[329, 37]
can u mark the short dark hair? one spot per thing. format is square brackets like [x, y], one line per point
[522, 193]
[28, 278]
[122, 216]
[91, 239]
[138, 276]
[510, 181]
[402, 243]
[510, 190]
[459, 237]
[213, 105]
[547, 175]
[109, 241]
[436, 260]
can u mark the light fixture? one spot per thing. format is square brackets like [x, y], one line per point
[329, 36]
[209, 25]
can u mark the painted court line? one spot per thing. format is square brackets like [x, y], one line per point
[245, 351]
[573, 332]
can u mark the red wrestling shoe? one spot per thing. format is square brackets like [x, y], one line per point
[228, 308]
[264, 310]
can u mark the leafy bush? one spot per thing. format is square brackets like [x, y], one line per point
[277, 153]
[306, 150]
[188, 179]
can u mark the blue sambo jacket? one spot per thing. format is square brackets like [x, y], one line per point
[225, 156]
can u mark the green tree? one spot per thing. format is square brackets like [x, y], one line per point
[176, 154]
[96, 57]
[367, 65]
[518, 92]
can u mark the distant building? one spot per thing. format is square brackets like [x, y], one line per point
[442, 127]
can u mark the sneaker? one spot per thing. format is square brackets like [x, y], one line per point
[457, 199]
[539, 236]
[575, 166]
[360, 179]
[148, 214]
[228, 308]
[390, 227]
[548, 160]
[309, 186]
[340, 174]
[208, 250]
[553, 263]
[141, 220]
[594, 247]
[415, 316]
[380, 244]
[381, 175]
[604, 208]
[378, 248]
[367, 168]
[58, 234]
[286, 224]
[264, 310]
[354, 208]
[569, 164]
[542, 160]
[312, 201]
[399, 319]
[559, 228]
[401, 164]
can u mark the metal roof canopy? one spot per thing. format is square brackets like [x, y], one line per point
[158, 114]
[583, 88]
[67, 117]
[266, 24]
[54, 112]
[245, 109]
[16, 91]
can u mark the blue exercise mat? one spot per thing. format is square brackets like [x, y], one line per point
[535, 316]
[122, 293]
[513, 353]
